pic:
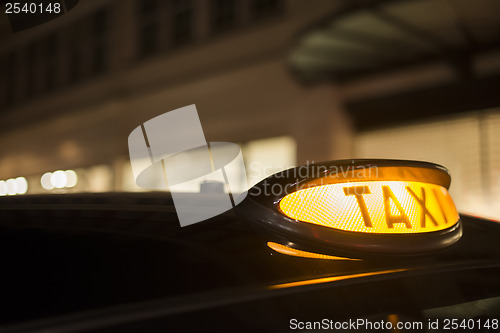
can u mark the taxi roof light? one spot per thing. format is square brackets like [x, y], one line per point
[385, 207]
[364, 206]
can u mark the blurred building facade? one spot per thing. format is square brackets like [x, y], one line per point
[74, 88]
[77, 86]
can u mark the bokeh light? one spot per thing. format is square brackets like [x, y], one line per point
[46, 181]
[21, 185]
[72, 178]
[59, 179]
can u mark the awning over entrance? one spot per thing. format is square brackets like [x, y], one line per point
[369, 37]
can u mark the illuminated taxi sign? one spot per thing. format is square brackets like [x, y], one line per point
[356, 208]
[386, 207]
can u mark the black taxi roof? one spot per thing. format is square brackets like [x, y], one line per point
[94, 261]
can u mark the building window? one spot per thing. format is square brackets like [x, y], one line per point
[10, 80]
[76, 39]
[148, 6]
[4, 81]
[30, 74]
[149, 27]
[100, 42]
[182, 21]
[88, 46]
[223, 15]
[163, 24]
[51, 71]
[150, 39]
[262, 9]
[182, 29]
[19, 75]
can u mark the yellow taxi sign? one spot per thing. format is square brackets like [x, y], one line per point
[357, 208]
[384, 207]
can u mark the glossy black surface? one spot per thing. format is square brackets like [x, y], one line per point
[108, 260]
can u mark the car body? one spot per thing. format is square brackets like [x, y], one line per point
[120, 262]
